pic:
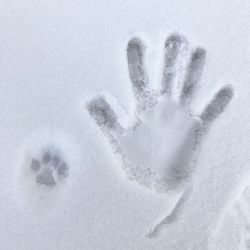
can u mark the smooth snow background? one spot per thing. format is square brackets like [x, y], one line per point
[56, 54]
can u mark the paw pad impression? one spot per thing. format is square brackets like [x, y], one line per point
[50, 167]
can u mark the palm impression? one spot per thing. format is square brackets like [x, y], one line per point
[159, 149]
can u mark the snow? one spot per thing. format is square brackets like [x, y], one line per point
[54, 57]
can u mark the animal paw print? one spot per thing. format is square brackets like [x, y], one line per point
[46, 159]
[50, 167]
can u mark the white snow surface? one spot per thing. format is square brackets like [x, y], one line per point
[54, 56]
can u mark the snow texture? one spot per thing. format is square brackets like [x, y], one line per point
[160, 157]
[232, 230]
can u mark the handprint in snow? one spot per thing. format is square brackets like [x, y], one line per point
[159, 149]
